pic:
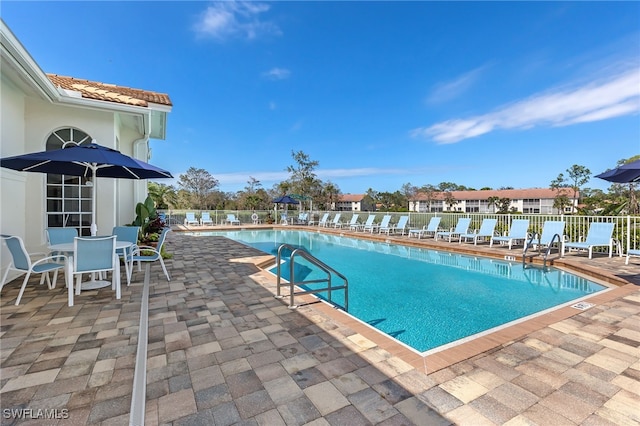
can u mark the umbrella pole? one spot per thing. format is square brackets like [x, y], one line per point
[94, 226]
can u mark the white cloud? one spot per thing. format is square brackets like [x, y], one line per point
[456, 88]
[610, 97]
[277, 74]
[227, 19]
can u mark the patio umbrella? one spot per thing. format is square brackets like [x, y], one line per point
[89, 161]
[627, 173]
[285, 199]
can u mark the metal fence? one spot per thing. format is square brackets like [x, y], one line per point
[626, 231]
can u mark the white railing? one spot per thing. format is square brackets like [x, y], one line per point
[626, 231]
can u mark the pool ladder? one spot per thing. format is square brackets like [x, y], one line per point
[546, 252]
[298, 251]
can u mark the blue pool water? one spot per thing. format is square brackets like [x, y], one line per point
[424, 298]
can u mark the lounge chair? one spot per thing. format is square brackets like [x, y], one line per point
[232, 219]
[517, 232]
[351, 223]
[487, 229]
[368, 224]
[430, 229]
[205, 219]
[324, 220]
[302, 218]
[336, 220]
[600, 234]
[386, 219]
[462, 227]
[399, 227]
[631, 252]
[190, 219]
[550, 229]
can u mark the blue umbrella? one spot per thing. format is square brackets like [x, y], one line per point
[89, 161]
[627, 173]
[285, 199]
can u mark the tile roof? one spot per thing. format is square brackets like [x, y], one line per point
[110, 92]
[352, 198]
[513, 194]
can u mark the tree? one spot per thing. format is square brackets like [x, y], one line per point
[449, 199]
[199, 184]
[302, 176]
[164, 196]
[493, 201]
[561, 199]
[578, 176]
[429, 191]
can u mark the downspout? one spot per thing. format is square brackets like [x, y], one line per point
[139, 194]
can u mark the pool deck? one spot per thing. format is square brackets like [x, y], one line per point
[222, 350]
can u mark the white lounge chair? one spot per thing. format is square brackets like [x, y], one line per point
[487, 229]
[386, 219]
[367, 225]
[517, 232]
[462, 227]
[232, 219]
[335, 221]
[399, 227]
[600, 234]
[351, 223]
[190, 219]
[205, 219]
[430, 229]
[323, 221]
[552, 233]
[631, 252]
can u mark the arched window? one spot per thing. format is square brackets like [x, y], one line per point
[68, 197]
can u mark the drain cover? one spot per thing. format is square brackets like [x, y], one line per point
[583, 305]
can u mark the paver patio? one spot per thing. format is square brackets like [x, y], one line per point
[222, 350]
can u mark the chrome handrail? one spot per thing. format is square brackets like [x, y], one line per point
[298, 251]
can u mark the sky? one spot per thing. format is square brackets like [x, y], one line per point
[380, 94]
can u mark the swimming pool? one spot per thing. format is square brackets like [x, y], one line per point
[425, 298]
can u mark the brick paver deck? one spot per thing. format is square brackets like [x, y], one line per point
[222, 350]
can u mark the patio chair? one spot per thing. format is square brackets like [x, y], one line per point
[93, 255]
[352, 222]
[205, 219]
[487, 230]
[600, 234]
[323, 221]
[302, 218]
[22, 263]
[190, 219]
[284, 219]
[462, 227]
[550, 230]
[149, 254]
[336, 220]
[60, 236]
[399, 227]
[232, 219]
[384, 223]
[129, 234]
[631, 252]
[368, 225]
[430, 229]
[517, 232]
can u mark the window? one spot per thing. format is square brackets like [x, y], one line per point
[68, 197]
